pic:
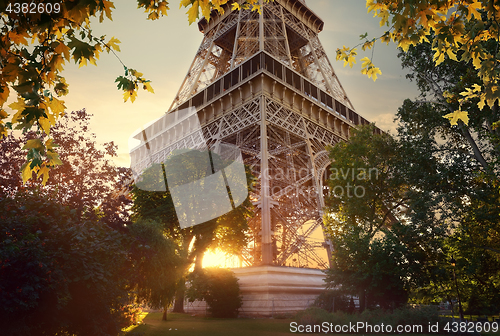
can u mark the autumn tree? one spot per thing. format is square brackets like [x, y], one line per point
[453, 170]
[378, 253]
[157, 265]
[36, 41]
[444, 177]
[71, 259]
[86, 179]
[461, 30]
[451, 132]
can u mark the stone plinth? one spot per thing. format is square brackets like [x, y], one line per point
[277, 290]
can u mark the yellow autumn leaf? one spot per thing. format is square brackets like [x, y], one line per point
[49, 144]
[113, 44]
[162, 7]
[476, 61]
[471, 93]
[340, 55]
[472, 10]
[45, 172]
[423, 19]
[205, 9]
[372, 73]
[34, 143]
[16, 117]
[366, 62]
[193, 12]
[451, 55]
[53, 159]
[217, 5]
[482, 101]
[384, 15]
[57, 62]
[236, 6]
[438, 57]
[92, 60]
[18, 105]
[82, 62]
[63, 49]
[367, 45]
[3, 114]
[404, 43]
[375, 6]
[350, 59]
[147, 86]
[456, 116]
[26, 172]
[132, 94]
[45, 124]
[17, 38]
[184, 3]
[135, 73]
[56, 106]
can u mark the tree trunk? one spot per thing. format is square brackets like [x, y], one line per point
[164, 317]
[198, 263]
[362, 301]
[179, 297]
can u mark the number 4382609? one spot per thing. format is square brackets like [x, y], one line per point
[33, 8]
[475, 327]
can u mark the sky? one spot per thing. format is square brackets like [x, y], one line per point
[164, 49]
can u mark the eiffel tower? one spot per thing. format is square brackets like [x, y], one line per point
[263, 82]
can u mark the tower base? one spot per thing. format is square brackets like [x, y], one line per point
[270, 291]
[278, 290]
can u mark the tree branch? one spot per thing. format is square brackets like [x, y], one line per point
[477, 152]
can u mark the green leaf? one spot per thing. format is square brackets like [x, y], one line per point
[124, 83]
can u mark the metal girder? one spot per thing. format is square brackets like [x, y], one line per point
[241, 34]
[284, 146]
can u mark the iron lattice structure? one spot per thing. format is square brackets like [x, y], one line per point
[263, 82]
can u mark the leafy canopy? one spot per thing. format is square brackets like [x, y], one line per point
[462, 30]
[34, 47]
[378, 253]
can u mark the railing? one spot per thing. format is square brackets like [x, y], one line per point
[264, 62]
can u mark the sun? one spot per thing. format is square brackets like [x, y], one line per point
[218, 258]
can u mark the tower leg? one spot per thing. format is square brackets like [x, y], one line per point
[267, 252]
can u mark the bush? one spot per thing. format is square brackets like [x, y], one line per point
[332, 300]
[219, 288]
[59, 274]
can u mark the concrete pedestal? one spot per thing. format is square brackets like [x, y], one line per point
[277, 290]
[272, 290]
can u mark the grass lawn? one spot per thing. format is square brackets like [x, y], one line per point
[186, 325]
